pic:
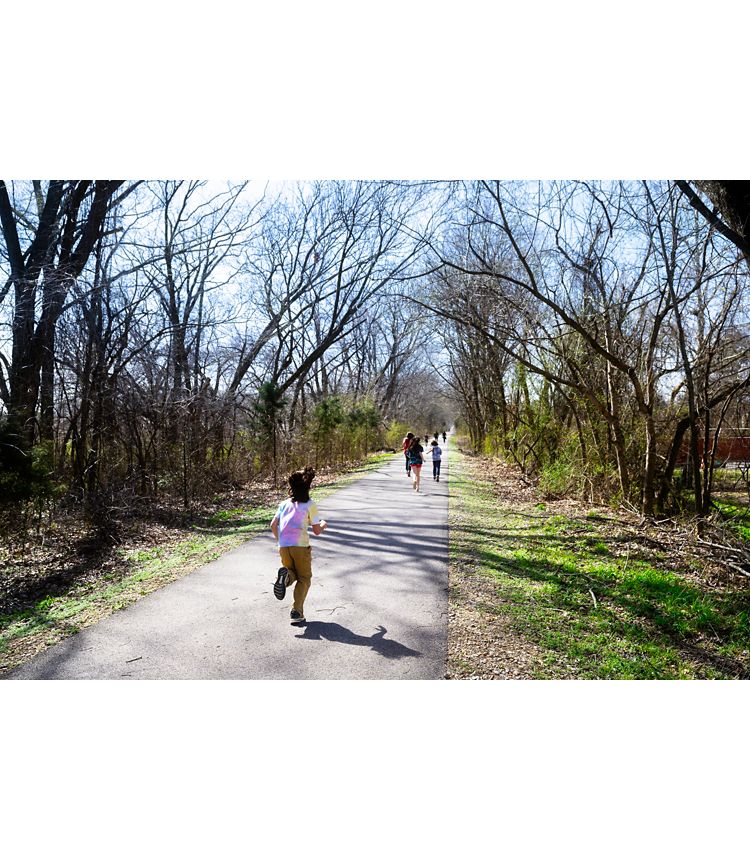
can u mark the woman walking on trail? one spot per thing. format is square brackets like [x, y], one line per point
[289, 527]
[444, 437]
[406, 444]
[416, 460]
[436, 457]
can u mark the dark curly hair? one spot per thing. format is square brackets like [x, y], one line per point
[299, 484]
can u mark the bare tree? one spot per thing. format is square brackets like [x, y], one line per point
[606, 274]
[60, 237]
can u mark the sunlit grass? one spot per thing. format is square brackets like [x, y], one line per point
[596, 610]
[737, 517]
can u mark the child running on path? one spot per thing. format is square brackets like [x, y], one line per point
[289, 527]
[416, 461]
[436, 457]
[405, 444]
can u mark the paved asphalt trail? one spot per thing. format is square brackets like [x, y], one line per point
[377, 608]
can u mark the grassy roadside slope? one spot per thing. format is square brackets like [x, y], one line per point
[556, 590]
[138, 572]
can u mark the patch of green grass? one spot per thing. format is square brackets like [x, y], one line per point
[225, 516]
[737, 517]
[596, 546]
[594, 613]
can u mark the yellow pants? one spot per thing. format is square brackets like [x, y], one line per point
[298, 561]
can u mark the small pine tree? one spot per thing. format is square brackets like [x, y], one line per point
[268, 414]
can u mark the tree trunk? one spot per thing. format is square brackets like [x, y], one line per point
[649, 469]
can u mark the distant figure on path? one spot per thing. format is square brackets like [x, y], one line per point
[406, 444]
[416, 461]
[444, 437]
[289, 527]
[436, 456]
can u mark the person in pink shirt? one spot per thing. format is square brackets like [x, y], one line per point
[289, 526]
[405, 445]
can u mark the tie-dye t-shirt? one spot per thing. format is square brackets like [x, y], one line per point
[294, 519]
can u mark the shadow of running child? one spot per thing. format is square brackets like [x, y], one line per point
[332, 632]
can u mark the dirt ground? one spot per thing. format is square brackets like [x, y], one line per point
[482, 644]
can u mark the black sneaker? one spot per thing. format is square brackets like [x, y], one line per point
[297, 617]
[279, 587]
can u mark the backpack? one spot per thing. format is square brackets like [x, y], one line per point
[415, 457]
